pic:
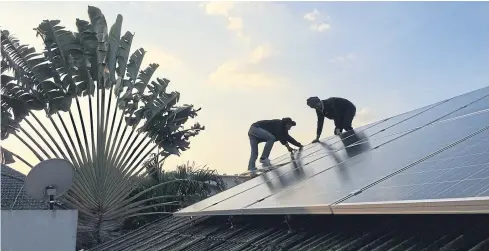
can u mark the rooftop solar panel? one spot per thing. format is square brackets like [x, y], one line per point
[314, 150]
[329, 186]
[324, 176]
[463, 174]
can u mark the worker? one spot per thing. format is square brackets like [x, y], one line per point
[341, 110]
[269, 131]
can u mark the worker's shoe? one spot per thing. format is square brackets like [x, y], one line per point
[253, 172]
[266, 165]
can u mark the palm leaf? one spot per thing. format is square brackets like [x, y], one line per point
[99, 25]
[146, 120]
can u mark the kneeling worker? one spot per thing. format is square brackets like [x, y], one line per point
[269, 131]
[341, 110]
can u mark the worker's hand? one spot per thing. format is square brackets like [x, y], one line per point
[337, 131]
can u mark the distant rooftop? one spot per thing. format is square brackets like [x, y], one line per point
[14, 196]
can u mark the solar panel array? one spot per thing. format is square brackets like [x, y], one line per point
[440, 151]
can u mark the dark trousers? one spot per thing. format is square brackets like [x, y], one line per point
[257, 135]
[348, 119]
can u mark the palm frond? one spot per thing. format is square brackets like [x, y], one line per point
[86, 100]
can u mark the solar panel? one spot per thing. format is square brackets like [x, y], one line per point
[276, 179]
[462, 172]
[332, 185]
[323, 176]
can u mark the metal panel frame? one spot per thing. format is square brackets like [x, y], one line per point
[308, 209]
[471, 205]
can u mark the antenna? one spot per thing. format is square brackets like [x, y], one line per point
[49, 180]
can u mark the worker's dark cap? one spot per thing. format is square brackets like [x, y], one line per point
[313, 101]
[288, 121]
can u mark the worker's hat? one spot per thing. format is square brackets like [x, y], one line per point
[288, 121]
[312, 101]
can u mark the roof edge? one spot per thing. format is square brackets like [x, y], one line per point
[470, 205]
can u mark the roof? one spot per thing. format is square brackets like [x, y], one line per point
[430, 160]
[14, 196]
[307, 232]
[435, 157]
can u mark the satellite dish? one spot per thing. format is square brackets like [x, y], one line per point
[49, 179]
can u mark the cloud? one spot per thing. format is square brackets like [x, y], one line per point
[235, 23]
[166, 61]
[320, 27]
[218, 8]
[260, 53]
[243, 72]
[240, 71]
[238, 74]
[316, 25]
[311, 16]
[348, 57]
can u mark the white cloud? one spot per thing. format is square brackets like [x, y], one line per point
[239, 71]
[242, 73]
[260, 53]
[235, 23]
[311, 16]
[167, 61]
[244, 38]
[348, 57]
[320, 27]
[237, 74]
[218, 8]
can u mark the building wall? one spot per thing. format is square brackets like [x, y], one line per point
[26, 230]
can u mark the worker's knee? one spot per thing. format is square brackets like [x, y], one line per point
[269, 137]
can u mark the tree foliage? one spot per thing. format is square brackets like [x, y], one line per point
[124, 116]
[184, 186]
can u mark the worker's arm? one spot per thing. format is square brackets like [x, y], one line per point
[320, 124]
[286, 144]
[293, 141]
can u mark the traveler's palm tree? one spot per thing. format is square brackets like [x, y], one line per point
[102, 113]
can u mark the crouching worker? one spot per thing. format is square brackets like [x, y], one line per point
[340, 110]
[269, 131]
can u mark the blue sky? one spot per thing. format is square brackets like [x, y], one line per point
[243, 62]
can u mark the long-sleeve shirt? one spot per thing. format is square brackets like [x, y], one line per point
[277, 128]
[334, 109]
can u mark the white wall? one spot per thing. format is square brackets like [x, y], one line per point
[40, 230]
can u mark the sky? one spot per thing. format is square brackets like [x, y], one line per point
[248, 61]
